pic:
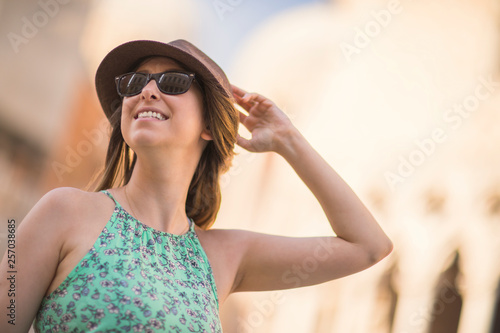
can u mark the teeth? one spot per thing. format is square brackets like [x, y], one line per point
[151, 114]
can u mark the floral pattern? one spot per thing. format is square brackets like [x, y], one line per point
[135, 279]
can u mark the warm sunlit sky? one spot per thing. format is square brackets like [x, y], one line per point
[222, 26]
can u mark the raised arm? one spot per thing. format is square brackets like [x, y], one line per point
[268, 262]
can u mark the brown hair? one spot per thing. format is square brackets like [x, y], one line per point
[204, 193]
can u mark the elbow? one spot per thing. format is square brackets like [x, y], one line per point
[383, 250]
[380, 251]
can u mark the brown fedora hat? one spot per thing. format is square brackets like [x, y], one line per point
[121, 59]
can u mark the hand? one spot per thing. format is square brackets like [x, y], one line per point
[270, 127]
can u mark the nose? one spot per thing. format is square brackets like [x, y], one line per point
[150, 91]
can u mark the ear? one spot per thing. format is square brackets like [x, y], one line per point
[206, 135]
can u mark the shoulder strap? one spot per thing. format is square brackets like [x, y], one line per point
[111, 196]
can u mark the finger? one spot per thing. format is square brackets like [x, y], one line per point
[244, 122]
[258, 109]
[237, 91]
[242, 117]
[248, 100]
[238, 95]
[259, 99]
[244, 143]
[249, 97]
[243, 104]
[254, 99]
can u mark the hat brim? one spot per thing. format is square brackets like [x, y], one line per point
[121, 59]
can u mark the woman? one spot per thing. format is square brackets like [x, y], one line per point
[156, 266]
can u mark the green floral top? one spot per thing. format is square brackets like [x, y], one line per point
[135, 279]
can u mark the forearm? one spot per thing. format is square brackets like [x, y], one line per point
[348, 217]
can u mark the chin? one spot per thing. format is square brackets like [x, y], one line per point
[145, 140]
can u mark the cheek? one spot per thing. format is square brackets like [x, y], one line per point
[127, 105]
[125, 121]
[190, 111]
[197, 116]
[125, 131]
[198, 107]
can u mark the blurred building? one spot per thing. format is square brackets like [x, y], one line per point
[401, 97]
[43, 85]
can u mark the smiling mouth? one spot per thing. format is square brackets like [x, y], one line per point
[151, 115]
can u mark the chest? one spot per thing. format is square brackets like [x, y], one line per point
[136, 275]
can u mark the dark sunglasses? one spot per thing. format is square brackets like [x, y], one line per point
[170, 82]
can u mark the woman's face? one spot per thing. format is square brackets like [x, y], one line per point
[182, 125]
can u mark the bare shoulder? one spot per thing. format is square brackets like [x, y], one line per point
[49, 242]
[224, 239]
[76, 221]
[59, 214]
[70, 198]
[225, 249]
[66, 204]
[53, 208]
[65, 210]
[223, 234]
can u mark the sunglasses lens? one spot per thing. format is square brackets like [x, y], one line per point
[131, 84]
[174, 83]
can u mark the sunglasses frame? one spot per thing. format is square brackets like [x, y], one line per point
[155, 76]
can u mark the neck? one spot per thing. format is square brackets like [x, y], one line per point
[157, 191]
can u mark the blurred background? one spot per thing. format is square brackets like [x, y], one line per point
[401, 97]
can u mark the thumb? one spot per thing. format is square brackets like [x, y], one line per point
[244, 143]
